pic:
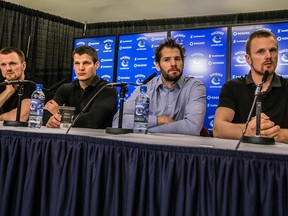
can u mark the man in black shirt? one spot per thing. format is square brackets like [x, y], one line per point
[237, 95]
[77, 94]
[13, 65]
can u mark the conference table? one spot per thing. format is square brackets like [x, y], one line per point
[89, 172]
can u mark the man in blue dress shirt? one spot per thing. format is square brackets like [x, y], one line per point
[177, 103]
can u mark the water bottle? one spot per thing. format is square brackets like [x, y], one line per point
[141, 114]
[36, 107]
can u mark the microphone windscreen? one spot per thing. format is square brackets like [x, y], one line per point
[265, 76]
[149, 78]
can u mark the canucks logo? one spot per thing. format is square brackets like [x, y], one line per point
[284, 57]
[283, 54]
[240, 57]
[179, 40]
[216, 80]
[125, 61]
[108, 44]
[141, 43]
[217, 38]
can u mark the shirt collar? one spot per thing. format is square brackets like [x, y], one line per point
[179, 83]
[275, 81]
[93, 83]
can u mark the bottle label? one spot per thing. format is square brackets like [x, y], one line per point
[141, 112]
[36, 107]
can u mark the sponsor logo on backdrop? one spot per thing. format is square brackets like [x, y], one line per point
[125, 61]
[139, 78]
[140, 59]
[125, 41]
[179, 38]
[140, 65]
[217, 36]
[211, 119]
[239, 41]
[123, 78]
[212, 105]
[125, 47]
[197, 36]
[141, 43]
[106, 60]
[216, 80]
[160, 38]
[197, 58]
[106, 66]
[241, 33]
[283, 54]
[216, 63]
[197, 43]
[282, 38]
[80, 43]
[212, 97]
[282, 31]
[106, 77]
[240, 58]
[93, 43]
[108, 44]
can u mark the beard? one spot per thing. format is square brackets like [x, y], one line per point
[171, 77]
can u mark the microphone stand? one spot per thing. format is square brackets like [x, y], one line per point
[120, 130]
[257, 139]
[17, 123]
[123, 91]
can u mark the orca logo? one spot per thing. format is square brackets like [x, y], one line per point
[141, 43]
[81, 43]
[217, 38]
[216, 80]
[125, 61]
[107, 46]
[284, 57]
[139, 81]
[179, 40]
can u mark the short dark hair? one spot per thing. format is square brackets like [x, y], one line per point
[258, 34]
[170, 43]
[8, 50]
[86, 50]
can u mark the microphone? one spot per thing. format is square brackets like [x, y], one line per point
[257, 100]
[99, 89]
[122, 84]
[259, 86]
[16, 82]
[149, 78]
[57, 85]
[266, 74]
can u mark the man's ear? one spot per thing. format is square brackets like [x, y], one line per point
[248, 59]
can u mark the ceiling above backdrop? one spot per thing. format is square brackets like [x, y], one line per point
[95, 11]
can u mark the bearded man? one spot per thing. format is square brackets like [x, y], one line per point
[177, 103]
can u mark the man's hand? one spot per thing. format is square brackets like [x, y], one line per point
[52, 107]
[54, 121]
[267, 127]
[164, 120]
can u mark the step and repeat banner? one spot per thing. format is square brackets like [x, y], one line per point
[213, 55]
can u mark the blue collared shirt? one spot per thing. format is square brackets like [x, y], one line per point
[185, 103]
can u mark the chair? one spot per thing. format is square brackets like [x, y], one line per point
[204, 132]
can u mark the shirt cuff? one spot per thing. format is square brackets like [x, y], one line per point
[152, 122]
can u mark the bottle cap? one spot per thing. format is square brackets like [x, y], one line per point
[39, 86]
[143, 89]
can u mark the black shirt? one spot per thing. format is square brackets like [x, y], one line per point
[100, 112]
[238, 95]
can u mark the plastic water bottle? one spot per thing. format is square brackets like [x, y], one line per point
[141, 114]
[36, 107]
